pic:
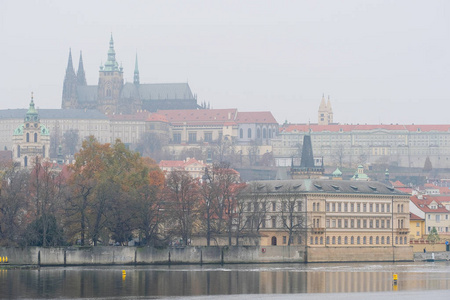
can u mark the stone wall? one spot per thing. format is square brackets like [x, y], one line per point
[429, 256]
[361, 254]
[149, 255]
[71, 256]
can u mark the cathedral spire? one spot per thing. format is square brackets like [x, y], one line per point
[136, 72]
[81, 77]
[69, 96]
[69, 70]
[111, 64]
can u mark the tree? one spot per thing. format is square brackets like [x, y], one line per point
[152, 144]
[14, 184]
[292, 215]
[181, 201]
[433, 236]
[339, 155]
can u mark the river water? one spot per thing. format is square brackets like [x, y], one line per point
[315, 281]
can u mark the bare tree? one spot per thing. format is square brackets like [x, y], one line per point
[292, 215]
[70, 142]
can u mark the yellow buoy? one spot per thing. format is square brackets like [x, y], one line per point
[0, 259]
[124, 272]
[395, 277]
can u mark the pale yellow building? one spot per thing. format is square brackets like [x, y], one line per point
[417, 227]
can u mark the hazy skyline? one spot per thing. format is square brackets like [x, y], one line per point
[380, 61]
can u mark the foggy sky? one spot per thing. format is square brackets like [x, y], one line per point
[380, 61]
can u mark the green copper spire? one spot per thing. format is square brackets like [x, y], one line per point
[136, 72]
[32, 114]
[111, 64]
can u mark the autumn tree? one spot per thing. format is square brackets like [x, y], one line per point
[181, 201]
[14, 185]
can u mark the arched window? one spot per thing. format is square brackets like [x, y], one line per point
[258, 133]
[35, 137]
[358, 240]
[339, 240]
[388, 240]
[377, 240]
[396, 240]
[241, 133]
[321, 240]
[274, 241]
[317, 240]
[334, 240]
[346, 240]
[382, 240]
[364, 240]
[18, 151]
[406, 240]
[108, 93]
[264, 133]
[352, 240]
[25, 161]
[28, 137]
[249, 133]
[371, 240]
[270, 133]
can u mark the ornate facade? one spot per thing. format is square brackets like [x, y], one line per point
[114, 96]
[31, 140]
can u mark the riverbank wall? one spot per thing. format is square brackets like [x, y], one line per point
[432, 256]
[74, 256]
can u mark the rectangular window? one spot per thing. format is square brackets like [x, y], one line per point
[274, 206]
[352, 207]
[208, 136]
[352, 223]
[377, 207]
[345, 207]
[358, 207]
[177, 138]
[274, 222]
[333, 223]
[339, 207]
[345, 223]
[382, 207]
[263, 223]
[417, 225]
[371, 207]
[358, 222]
[377, 224]
[388, 208]
[328, 223]
[284, 239]
[339, 223]
[364, 223]
[438, 218]
[417, 233]
[328, 206]
[364, 207]
[299, 206]
[192, 137]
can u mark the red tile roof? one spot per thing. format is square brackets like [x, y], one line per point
[415, 217]
[157, 118]
[260, 117]
[422, 204]
[398, 184]
[171, 163]
[348, 128]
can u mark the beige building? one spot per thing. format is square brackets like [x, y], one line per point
[330, 214]
[31, 140]
[434, 212]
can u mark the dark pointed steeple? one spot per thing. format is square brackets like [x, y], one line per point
[69, 96]
[81, 77]
[136, 72]
[307, 153]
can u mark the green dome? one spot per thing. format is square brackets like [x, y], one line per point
[19, 130]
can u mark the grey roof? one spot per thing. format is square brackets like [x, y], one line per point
[87, 94]
[129, 90]
[161, 91]
[324, 186]
[54, 114]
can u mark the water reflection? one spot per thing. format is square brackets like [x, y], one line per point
[83, 282]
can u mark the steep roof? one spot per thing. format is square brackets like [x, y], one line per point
[155, 117]
[199, 116]
[423, 203]
[349, 128]
[327, 187]
[161, 91]
[261, 117]
[415, 217]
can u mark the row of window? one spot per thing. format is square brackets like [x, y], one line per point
[357, 207]
[358, 240]
[258, 133]
[192, 137]
[286, 206]
[360, 223]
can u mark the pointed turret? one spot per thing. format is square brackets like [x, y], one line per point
[323, 112]
[69, 96]
[81, 77]
[32, 113]
[136, 72]
[323, 105]
[329, 111]
[111, 64]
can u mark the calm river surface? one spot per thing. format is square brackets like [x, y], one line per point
[283, 281]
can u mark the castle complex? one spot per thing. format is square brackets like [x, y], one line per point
[113, 96]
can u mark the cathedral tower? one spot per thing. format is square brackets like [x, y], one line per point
[81, 77]
[69, 96]
[110, 83]
[325, 113]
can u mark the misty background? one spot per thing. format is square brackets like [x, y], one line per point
[380, 61]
